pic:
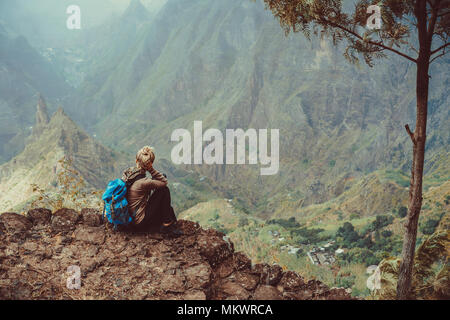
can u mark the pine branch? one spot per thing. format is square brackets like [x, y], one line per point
[440, 48]
[375, 43]
[438, 56]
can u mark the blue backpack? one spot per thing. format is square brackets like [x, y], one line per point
[115, 202]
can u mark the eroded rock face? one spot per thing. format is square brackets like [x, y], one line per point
[36, 251]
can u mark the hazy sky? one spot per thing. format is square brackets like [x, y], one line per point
[43, 22]
[152, 5]
[94, 11]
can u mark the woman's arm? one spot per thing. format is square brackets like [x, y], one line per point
[157, 181]
[156, 175]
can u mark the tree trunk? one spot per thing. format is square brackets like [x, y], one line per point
[415, 190]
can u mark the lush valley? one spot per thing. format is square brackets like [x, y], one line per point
[360, 241]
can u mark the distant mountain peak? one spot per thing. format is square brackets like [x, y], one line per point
[60, 112]
[58, 120]
[135, 4]
[136, 10]
[42, 118]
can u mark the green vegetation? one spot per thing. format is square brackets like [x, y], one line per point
[402, 212]
[398, 177]
[365, 241]
[430, 274]
[354, 216]
[347, 235]
[308, 236]
[72, 191]
[371, 245]
[289, 223]
[380, 222]
[360, 255]
[243, 222]
[345, 280]
[332, 163]
[429, 226]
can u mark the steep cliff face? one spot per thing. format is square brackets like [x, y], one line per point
[37, 249]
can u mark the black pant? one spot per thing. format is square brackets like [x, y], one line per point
[158, 211]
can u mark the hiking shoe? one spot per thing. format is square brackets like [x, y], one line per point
[177, 232]
[171, 230]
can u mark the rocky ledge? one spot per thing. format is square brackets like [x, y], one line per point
[36, 251]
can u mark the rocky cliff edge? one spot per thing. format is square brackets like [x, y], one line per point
[36, 251]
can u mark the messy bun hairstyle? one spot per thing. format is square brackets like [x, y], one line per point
[145, 157]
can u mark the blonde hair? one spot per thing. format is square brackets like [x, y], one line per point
[144, 157]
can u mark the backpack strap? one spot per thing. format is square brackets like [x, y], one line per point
[131, 175]
[132, 179]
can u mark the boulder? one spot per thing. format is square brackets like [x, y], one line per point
[39, 216]
[231, 290]
[245, 279]
[291, 281]
[64, 220]
[15, 223]
[214, 249]
[265, 292]
[237, 262]
[91, 217]
[269, 274]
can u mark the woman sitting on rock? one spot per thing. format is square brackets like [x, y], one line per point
[149, 198]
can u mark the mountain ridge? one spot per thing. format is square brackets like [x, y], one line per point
[229, 65]
[53, 139]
